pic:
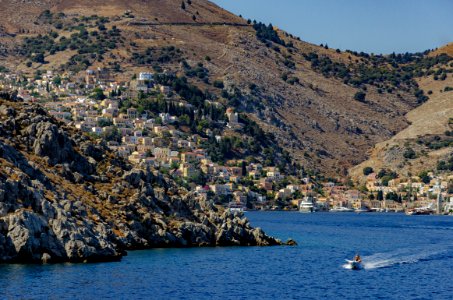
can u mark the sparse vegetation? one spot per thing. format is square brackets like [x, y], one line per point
[384, 72]
[152, 56]
[445, 165]
[90, 45]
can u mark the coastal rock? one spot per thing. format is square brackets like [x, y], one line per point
[291, 242]
[27, 232]
[51, 142]
[46, 258]
[134, 177]
[7, 111]
[65, 198]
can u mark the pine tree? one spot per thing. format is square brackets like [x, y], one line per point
[380, 196]
[183, 5]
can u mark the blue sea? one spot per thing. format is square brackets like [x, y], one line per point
[405, 257]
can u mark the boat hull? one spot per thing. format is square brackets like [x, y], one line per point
[307, 209]
[341, 209]
[354, 265]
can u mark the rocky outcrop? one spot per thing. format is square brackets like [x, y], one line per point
[64, 197]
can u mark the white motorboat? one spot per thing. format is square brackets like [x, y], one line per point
[354, 265]
[236, 207]
[362, 210]
[341, 209]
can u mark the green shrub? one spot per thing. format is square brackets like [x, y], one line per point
[218, 84]
[409, 153]
[367, 171]
[360, 96]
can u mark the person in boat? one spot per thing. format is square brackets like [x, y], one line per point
[357, 258]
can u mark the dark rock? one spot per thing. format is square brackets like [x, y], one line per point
[291, 242]
[7, 111]
[134, 177]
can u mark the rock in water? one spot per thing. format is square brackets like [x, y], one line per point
[46, 258]
[291, 242]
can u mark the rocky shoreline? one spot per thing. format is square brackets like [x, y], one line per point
[65, 198]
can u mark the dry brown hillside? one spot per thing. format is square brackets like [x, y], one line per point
[429, 123]
[447, 49]
[314, 116]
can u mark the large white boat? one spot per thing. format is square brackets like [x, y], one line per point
[236, 207]
[307, 205]
[341, 209]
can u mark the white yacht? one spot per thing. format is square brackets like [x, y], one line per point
[236, 207]
[362, 210]
[341, 209]
[307, 205]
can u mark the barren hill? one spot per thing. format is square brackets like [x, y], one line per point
[447, 49]
[305, 94]
[428, 135]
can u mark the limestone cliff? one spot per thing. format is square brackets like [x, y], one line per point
[65, 198]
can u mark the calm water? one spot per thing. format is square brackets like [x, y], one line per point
[405, 258]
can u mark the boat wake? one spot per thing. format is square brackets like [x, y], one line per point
[399, 257]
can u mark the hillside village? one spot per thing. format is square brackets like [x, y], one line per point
[93, 102]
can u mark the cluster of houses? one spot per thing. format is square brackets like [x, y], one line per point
[397, 196]
[143, 139]
[154, 140]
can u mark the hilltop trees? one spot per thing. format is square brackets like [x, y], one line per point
[267, 33]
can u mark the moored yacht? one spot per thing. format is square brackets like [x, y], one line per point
[236, 207]
[307, 205]
[419, 211]
[341, 209]
[362, 210]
